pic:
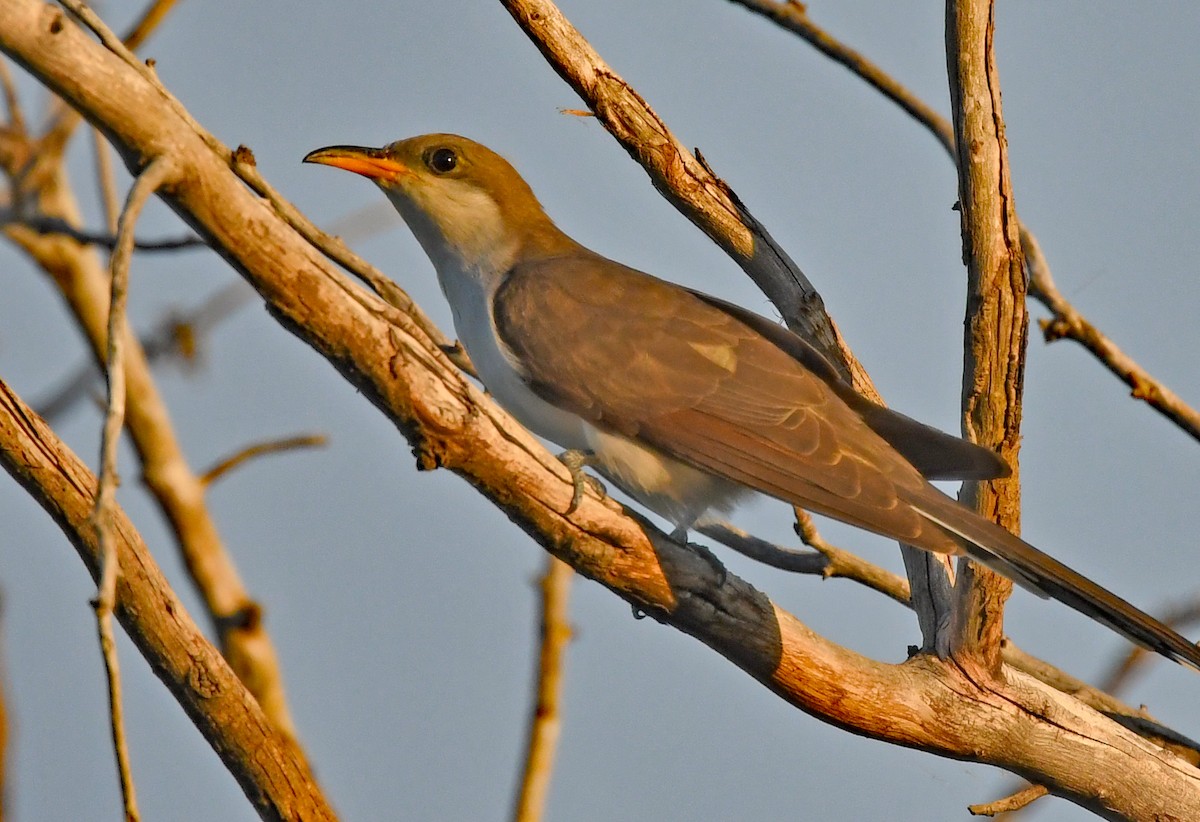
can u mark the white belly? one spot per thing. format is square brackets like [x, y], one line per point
[672, 489]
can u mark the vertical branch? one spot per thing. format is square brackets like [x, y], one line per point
[996, 326]
[147, 183]
[545, 720]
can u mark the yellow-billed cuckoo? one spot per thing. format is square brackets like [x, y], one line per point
[684, 401]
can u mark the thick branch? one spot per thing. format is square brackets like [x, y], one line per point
[997, 325]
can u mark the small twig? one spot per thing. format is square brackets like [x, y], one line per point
[106, 35]
[1015, 802]
[154, 14]
[12, 102]
[107, 180]
[243, 165]
[145, 185]
[56, 225]
[260, 449]
[1070, 324]
[824, 560]
[545, 720]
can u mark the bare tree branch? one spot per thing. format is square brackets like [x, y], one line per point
[1014, 802]
[333, 248]
[267, 764]
[12, 101]
[150, 20]
[825, 560]
[997, 325]
[54, 225]
[1067, 323]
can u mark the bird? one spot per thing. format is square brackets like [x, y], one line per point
[684, 401]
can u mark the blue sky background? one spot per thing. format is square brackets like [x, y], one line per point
[402, 604]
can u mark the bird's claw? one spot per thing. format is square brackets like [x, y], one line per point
[575, 460]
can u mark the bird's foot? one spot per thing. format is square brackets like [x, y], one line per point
[575, 461]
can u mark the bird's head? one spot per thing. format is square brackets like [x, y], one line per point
[465, 203]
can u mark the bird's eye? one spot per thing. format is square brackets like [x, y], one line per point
[442, 160]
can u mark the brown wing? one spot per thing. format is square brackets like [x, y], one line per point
[644, 358]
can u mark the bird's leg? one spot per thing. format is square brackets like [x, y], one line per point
[575, 460]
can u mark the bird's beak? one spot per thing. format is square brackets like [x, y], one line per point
[373, 163]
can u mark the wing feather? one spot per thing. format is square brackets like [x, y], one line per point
[697, 383]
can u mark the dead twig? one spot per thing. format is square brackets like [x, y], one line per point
[261, 449]
[1067, 323]
[154, 176]
[1014, 802]
[243, 164]
[824, 560]
[12, 101]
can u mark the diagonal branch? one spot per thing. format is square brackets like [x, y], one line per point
[266, 763]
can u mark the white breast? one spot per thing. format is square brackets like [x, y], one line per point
[470, 303]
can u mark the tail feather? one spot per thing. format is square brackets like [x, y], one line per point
[1009, 555]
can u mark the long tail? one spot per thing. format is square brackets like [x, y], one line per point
[992, 546]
